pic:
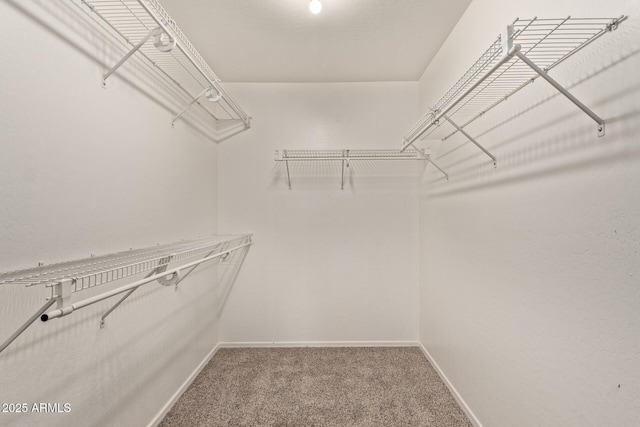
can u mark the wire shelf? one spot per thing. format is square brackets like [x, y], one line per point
[89, 272]
[67, 278]
[333, 154]
[347, 155]
[492, 79]
[182, 66]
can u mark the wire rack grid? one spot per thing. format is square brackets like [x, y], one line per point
[358, 154]
[133, 20]
[90, 272]
[546, 42]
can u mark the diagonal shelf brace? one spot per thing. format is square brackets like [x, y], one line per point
[26, 324]
[427, 157]
[470, 138]
[563, 91]
[208, 92]
[157, 34]
[288, 174]
[511, 51]
[157, 270]
[345, 161]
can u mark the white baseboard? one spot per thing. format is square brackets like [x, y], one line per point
[467, 410]
[319, 344]
[167, 407]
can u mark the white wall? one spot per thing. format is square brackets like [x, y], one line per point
[327, 265]
[86, 170]
[529, 273]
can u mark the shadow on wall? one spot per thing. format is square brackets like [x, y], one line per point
[143, 296]
[232, 266]
[116, 352]
[529, 144]
[73, 23]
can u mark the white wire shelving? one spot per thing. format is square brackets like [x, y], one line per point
[169, 264]
[346, 156]
[148, 30]
[528, 49]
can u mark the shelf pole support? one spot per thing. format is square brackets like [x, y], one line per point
[206, 91]
[563, 91]
[152, 33]
[345, 160]
[162, 280]
[121, 300]
[470, 138]
[26, 324]
[286, 162]
[428, 159]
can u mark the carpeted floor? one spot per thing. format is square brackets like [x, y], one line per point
[363, 386]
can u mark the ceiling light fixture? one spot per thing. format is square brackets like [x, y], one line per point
[315, 6]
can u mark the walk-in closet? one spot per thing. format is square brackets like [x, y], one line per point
[320, 213]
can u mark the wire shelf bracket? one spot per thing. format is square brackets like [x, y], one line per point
[66, 279]
[348, 156]
[138, 22]
[539, 45]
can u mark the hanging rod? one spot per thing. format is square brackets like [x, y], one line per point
[346, 156]
[65, 279]
[137, 22]
[526, 50]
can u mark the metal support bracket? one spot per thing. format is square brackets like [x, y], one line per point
[563, 91]
[345, 161]
[163, 46]
[169, 280]
[281, 155]
[470, 138]
[62, 294]
[208, 92]
[26, 324]
[427, 157]
[288, 174]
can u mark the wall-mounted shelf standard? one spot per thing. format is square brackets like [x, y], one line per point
[168, 264]
[536, 46]
[146, 28]
[346, 156]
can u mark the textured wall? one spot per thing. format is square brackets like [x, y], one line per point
[327, 264]
[529, 272]
[86, 170]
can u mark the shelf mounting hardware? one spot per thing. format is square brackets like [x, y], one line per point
[563, 91]
[346, 157]
[67, 278]
[286, 162]
[159, 43]
[427, 157]
[164, 281]
[536, 46]
[208, 92]
[472, 139]
[345, 160]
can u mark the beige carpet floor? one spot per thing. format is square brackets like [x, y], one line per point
[363, 386]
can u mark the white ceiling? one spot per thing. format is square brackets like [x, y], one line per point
[350, 40]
